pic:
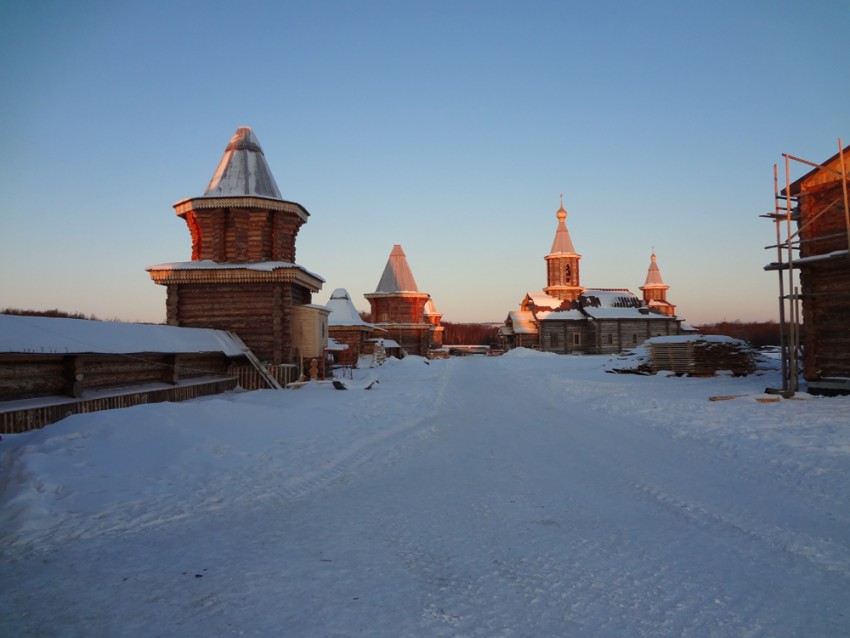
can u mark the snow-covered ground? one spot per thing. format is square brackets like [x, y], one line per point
[522, 495]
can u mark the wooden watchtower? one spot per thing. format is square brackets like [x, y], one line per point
[243, 276]
[399, 308]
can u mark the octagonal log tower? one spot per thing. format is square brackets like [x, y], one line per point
[399, 308]
[243, 276]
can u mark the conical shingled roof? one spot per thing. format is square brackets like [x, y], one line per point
[343, 312]
[243, 170]
[397, 276]
[653, 275]
[562, 245]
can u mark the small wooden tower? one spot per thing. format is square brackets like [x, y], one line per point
[655, 290]
[562, 263]
[347, 326]
[433, 317]
[399, 308]
[243, 276]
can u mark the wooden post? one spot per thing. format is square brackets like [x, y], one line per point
[73, 375]
[170, 369]
[844, 189]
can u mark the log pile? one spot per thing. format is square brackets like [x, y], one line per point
[701, 355]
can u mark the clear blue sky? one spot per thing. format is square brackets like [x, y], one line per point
[450, 128]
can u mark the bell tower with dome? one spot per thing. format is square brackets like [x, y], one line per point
[562, 263]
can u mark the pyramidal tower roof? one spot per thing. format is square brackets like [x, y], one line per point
[562, 245]
[653, 275]
[243, 170]
[397, 276]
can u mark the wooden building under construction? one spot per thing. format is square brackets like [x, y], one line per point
[813, 242]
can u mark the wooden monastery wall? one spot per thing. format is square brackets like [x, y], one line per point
[17, 419]
[24, 376]
[29, 375]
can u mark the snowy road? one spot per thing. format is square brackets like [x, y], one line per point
[521, 496]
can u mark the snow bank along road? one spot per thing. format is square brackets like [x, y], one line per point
[526, 495]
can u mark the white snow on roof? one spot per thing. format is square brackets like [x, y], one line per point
[612, 297]
[562, 315]
[397, 276]
[335, 345]
[522, 322]
[243, 170]
[52, 335]
[542, 300]
[209, 264]
[343, 312]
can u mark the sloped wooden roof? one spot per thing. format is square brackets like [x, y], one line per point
[653, 275]
[562, 245]
[397, 276]
[243, 170]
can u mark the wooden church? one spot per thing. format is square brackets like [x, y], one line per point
[568, 318]
[401, 312]
[242, 276]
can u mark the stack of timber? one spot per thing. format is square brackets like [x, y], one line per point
[701, 355]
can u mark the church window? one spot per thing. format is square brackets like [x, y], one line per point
[576, 338]
[567, 274]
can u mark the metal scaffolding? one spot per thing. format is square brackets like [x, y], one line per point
[788, 223]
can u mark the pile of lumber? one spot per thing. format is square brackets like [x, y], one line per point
[701, 355]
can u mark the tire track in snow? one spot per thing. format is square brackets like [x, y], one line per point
[823, 552]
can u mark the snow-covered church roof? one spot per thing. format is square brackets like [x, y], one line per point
[541, 301]
[243, 170]
[397, 276]
[610, 298]
[343, 312]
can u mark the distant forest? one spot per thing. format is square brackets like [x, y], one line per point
[757, 333]
[470, 334]
[48, 313]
